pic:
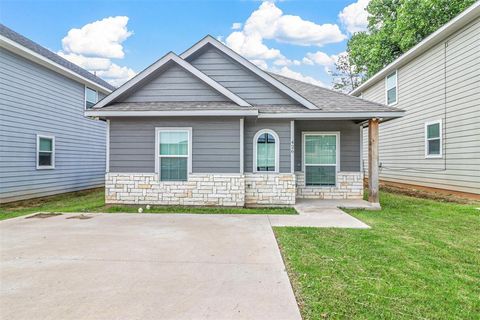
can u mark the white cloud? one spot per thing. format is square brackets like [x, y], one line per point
[116, 75]
[89, 63]
[251, 46]
[285, 71]
[236, 26]
[269, 22]
[101, 38]
[354, 16]
[94, 45]
[320, 58]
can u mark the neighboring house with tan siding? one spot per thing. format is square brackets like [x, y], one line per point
[437, 143]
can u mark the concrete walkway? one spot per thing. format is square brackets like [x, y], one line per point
[322, 214]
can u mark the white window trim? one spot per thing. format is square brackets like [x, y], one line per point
[85, 97]
[277, 150]
[434, 156]
[157, 153]
[38, 166]
[396, 88]
[337, 156]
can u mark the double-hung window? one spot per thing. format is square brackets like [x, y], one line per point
[321, 158]
[433, 139]
[45, 152]
[266, 151]
[173, 153]
[91, 97]
[391, 88]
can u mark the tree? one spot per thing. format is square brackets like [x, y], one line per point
[346, 77]
[394, 26]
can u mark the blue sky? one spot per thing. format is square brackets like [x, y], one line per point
[283, 36]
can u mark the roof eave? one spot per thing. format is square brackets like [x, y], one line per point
[17, 48]
[442, 33]
[333, 115]
[194, 113]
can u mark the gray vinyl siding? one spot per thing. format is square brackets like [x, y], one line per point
[215, 146]
[35, 100]
[442, 83]
[281, 127]
[237, 78]
[349, 141]
[174, 84]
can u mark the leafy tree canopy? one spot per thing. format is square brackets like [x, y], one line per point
[394, 26]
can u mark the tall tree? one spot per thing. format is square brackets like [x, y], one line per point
[346, 77]
[394, 26]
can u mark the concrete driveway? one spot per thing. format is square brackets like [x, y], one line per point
[143, 266]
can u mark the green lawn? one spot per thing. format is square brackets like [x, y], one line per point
[93, 201]
[420, 260]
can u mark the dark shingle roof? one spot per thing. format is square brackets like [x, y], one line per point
[29, 44]
[173, 106]
[327, 100]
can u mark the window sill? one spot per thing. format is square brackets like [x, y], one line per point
[434, 157]
[45, 168]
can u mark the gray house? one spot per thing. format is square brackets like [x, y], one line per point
[47, 146]
[208, 127]
[437, 143]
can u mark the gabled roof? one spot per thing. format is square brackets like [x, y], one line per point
[169, 57]
[209, 40]
[471, 13]
[17, 43]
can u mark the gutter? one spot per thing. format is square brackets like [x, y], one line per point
[100, 113]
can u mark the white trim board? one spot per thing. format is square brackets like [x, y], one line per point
[333, 115]
[43, 61]
[250, 66]
[182, 63]
[200, 113]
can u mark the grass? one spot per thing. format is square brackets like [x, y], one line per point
[93, 201]
[420, 260]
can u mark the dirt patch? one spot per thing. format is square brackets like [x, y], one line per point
[44, 215]
[80, 217]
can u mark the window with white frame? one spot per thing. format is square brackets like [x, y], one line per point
[174, 154]
[91, 97]
[321, 158]
[433, 139]
[391, 88]
[266, 151]
[45, 152]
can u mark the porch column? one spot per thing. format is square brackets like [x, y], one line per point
[373, 162]
[292, 146]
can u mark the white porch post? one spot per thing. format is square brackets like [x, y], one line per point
[242, 124]
[292, 146]
[373, 162]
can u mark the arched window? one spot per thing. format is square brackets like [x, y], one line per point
[266, 151]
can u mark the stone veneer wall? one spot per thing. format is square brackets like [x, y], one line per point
[349, 186]
[199, 190]
[269, 189]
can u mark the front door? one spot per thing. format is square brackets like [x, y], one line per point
[321, 156]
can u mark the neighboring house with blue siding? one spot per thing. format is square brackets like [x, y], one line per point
[47, 145]
[437, 82]
[208, 127]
